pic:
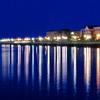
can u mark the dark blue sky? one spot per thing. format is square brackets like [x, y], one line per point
[37, 16]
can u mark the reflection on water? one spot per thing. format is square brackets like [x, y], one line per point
[19, 63]
[12, 61]
[55, 63]
[64, 68]
[33, 66]
[87, 67]
[40, 66]
[98, 70]
[58, 67]
[53, 69]
[26, 62]
[74, 66]
[6, 61]
[48, 67]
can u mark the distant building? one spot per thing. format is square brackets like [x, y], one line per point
[75, 35]
[87, 33]
[90, 32]
[59, 33]
[97, 33]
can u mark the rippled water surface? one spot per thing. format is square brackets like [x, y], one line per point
[40, 72]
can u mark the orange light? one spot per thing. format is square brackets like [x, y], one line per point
[98, 36]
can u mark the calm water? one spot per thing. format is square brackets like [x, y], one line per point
[50, 72]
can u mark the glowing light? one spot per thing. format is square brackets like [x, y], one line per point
[33, 39]
[64, 37]
[27, 39]
[58, 37]
[98, 36]
[40, 38]
[11, 39]
[5, 40]
[55, 38]
[72, 33]
[47, 38]
[18, 39]
[74, 37]
[87, 37]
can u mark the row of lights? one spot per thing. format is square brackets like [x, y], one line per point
[56, 38]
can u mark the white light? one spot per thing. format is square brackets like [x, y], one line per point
[18, 39]
[72, 33]
[58, 37]
[11, 39]
[40, 38]
[27, 39]
[87, 37]
[5, 40]
[64, 37]
[33, 39]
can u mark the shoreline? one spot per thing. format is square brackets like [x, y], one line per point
[68, 43]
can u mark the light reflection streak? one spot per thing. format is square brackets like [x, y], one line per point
[64, 67]
[12, 60]
[26, 62]
[19, 63]
[45, 50]
[58, 67]
[48, 67]
[6, 61]
[87, 67]
[40, 66]
[98, 70]
[33, 65]
[74, 67]
[55, 63]
[36, 50]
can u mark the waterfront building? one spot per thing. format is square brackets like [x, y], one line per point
[58, 35]
[87, 33]
[97, 33]
[75, 36]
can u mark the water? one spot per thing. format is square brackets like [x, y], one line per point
[49, 72]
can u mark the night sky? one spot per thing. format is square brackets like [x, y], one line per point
[32, 17]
